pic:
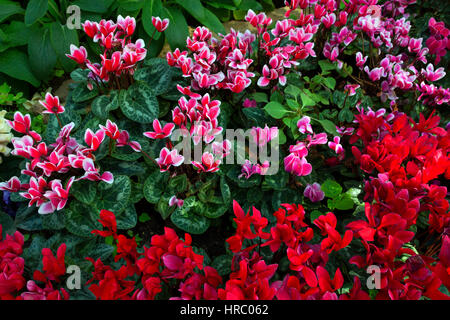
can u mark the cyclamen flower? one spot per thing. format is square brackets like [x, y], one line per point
[160, 132]
[160, 25]
[128, 24]
[169, 158]
[263, 136]
[51, 104]
[335, 145]
[173, 201]
[94, 140]
[432, 75]
[351, 89]
[79, 55]
[304, 125]
[314, 192]
[297, 165]
[208, 164]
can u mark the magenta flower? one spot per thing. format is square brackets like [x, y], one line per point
[336, 146]
[51, 104]
[160, 132]
[297, 165]
[160, 25]
[208, 164]
[249, 103]
[173, 201]
[79, 55]
[351, 89]
[304, 125]
[94, 140]
[262, 136]
[314, 192]
[127, 25]
[169, 158]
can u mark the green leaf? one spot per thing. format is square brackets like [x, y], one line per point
[277, 181]
[225, 190]
[275, 109]
[61, 38]
[187, 220]
[7, 224]
[9, 8]
[54, 221]
[28, 218]
[214, 211]
[315, 214]
[292, 90]
[15, 64]
[35, 10]
[127, 219]
[17, 34]
[113, 197]
[144, 217]
[154, 186]
[307, 100]
[326, 66]
[41, 56]
[102, 105]
[158, 75]
[178, 184]
[344, 202]
[222, 264]
[329, 82]
[53, 128]
[331, 188]
[329, 127]
[202, 15]
[97, 6]
[81, 93]
[84, 191]
[79, 221]
[139, 103]
[178, 29]
[256, 116]
[151, 8]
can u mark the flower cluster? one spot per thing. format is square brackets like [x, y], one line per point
[168, 259]
[49, 165]
[12, 266]
[407, 158]
[296, 162]
[120, 55]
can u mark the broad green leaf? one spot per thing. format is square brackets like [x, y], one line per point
[113, 197]
[157, 74]
[222, 264]
[54, 221]
[331, 188]
[127, 219]
[15, 64]
[151, 8]
[330, 82]
[82, 94]
[178, 30]
[79, 221]
[35, 10]
[154, 186]
[97, 6]
[225, 190]
[61, 38]
[329, 127]
[276, 110]
[41, 56]
[84, 191]
[7, 224]
[102, 105]
[28, 219]
[139, 103]
[9, 8]
[17, 34]
[307, 100]
[188, 220]
[256, 116]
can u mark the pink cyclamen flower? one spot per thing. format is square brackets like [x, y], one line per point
[128, 24]
[304, 125]
[249, 103]
[360, 60]
[111, 130]
[58, 195]
[262, 136]
[160, 25]
[431, 75]
[351, 89]
[336, 145]
[13, 185]
[297, 165]
[169, 158]
[314, 192]
[51, 104]
[79, 55]
[174, 201]
[208, 164]
[160, 132]
[94, 140]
